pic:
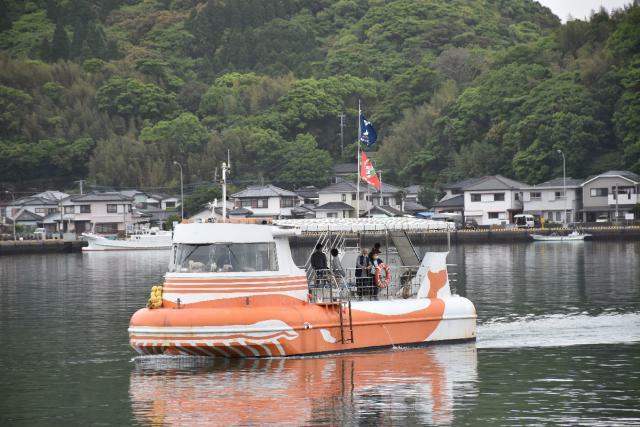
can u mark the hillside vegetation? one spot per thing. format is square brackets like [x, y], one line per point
[116, 90]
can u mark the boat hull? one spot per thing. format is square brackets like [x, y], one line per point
[569, 238]
[301, 330]
[99, 243]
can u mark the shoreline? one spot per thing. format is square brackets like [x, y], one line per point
[455, 237]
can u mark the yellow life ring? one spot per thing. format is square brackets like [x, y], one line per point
[380, 281]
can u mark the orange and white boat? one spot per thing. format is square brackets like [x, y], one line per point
[233, 290]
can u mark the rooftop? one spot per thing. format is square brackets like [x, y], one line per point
[451, 202]
[495, 182]
[335, 206]
[110, 196]
[557, 183]
[263, 191]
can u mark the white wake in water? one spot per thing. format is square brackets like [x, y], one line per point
[560, 331]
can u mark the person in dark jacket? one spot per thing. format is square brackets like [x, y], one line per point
[363, 278]
[319, 264]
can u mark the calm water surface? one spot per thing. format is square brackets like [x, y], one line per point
[558, 343]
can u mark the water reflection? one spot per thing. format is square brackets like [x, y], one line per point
[417, 386]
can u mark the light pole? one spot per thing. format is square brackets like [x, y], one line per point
[564, 186]
[13, 218]
[181, 192]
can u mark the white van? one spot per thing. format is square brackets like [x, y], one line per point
[524, 221]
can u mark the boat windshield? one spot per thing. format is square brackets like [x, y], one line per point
[225, 257]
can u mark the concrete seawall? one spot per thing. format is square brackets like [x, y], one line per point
[498, 236]
[11, 247]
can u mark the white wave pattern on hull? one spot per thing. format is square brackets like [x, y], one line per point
[561, 331]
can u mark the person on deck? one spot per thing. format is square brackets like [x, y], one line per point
[319, 264]
[375, 263]
[363, 278]
[336, 267]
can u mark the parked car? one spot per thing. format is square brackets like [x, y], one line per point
[602, 218]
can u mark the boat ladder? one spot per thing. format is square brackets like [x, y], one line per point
[345, 309]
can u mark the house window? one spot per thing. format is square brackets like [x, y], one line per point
[106, 228]
[353, 196]
[85, 208]
[288, 202]
[112, 208]
[68, 209]
[599, 192]
[344, 197]
[498, 197]
[493, 215]
[558, 216]
[170, 204]
[261, 203]
[535, 195]
[475, 197]
[385, 201]
[559, 195]
[245, 203]
[362, 196]
[332, 215]
[517, 196]
[40, 210]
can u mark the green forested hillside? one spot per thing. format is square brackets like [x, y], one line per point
[115, 90]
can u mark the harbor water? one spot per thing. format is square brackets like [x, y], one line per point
[558, 343]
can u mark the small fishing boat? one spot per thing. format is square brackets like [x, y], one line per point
[151, 238]
[233, 290]
[574, 236]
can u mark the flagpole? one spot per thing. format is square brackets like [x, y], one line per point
[358, 177]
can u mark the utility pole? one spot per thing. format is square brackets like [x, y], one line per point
[564, 185]
[181, 191]
[342, 124]
[225, 169]
[13, 217]
[81, 181]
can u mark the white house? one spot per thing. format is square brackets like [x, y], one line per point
[493, 200]
[345, 192]
[103, 213]
[267, 201]
[549, 201]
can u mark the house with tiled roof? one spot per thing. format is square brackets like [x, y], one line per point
[100, 212]
[267, 201]
[549, 201]
[493, 200]
[346, 192]
[609, 194]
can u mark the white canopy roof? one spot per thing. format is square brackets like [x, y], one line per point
[201, 233]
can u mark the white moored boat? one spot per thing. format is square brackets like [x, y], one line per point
[571, 237]
[152, 238]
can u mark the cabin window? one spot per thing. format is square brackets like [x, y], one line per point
[226, 257]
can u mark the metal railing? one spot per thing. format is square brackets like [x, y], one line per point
[325, 285]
